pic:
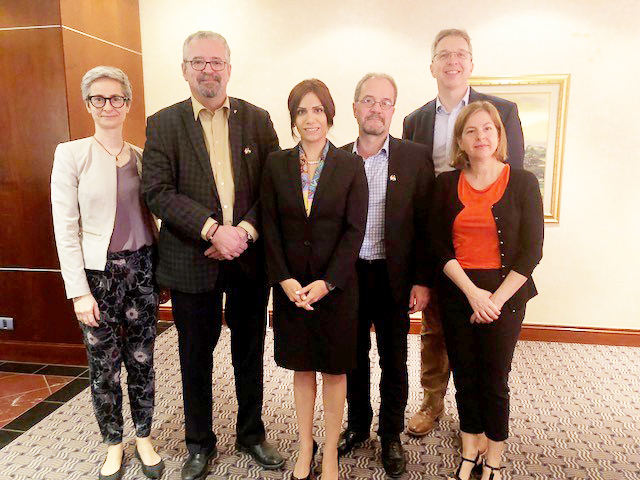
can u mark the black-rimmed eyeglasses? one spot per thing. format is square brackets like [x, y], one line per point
[116, 101]
[199, 65]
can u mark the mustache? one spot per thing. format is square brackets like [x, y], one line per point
[208, 76]
[374, 115]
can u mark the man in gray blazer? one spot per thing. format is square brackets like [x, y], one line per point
[201, 174]
[432, 125]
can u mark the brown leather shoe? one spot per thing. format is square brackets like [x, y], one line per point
[423, 421]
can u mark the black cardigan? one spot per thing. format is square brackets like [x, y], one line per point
[519, 219]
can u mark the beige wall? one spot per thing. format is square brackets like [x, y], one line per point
[589, 274]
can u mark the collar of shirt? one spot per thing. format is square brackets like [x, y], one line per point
[198, 107]
[384, 151]
[464, 102]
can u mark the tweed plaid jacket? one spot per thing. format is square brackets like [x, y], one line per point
[178, 185]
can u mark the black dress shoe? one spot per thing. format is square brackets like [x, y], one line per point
[349, 439]
[313, 458]
[197, 465]
[264, 454]
[393, 459]
[150, 471]
[114, 476]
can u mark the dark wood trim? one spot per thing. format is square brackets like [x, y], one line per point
[164, 313]
[541, 333]
[587, 335]
[43, 352]
[565, 334]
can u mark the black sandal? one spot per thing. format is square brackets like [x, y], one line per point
[462, 460]
[493, 470]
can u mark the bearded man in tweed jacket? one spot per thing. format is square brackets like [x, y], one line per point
[202, 165]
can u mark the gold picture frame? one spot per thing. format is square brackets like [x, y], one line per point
[542, 105]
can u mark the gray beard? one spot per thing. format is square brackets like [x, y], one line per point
[208, 92]
[373, 130]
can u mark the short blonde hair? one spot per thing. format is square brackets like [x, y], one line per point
[451, 32]
[459, 158]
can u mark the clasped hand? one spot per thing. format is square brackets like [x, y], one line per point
[486, 306]
[303, 297]
[229, 242]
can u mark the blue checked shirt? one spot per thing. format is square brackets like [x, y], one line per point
[377, 170]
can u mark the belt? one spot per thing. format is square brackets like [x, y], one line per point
[378, 261]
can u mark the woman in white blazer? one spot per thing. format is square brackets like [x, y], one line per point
[105, 235]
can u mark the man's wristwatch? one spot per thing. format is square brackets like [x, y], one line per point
[249, 237]
[330, 286]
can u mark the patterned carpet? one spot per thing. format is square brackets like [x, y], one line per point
[575, 415]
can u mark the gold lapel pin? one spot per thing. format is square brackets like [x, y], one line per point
[392, 178]
[235, 111]
[247, 150]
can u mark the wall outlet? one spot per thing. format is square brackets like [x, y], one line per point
[6, 323]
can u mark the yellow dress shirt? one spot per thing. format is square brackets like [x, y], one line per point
[215, 126]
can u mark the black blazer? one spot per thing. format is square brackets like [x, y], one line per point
[406, 232]
[326, 244]
[179, 188]
[418, 126]
[519, 219]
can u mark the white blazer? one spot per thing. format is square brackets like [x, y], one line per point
[84, 189]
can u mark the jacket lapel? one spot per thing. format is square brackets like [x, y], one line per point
[392, 200]
[474, 96]
[324, 181]
[295, 182]
[235, 139]
[196, 137]
[430, 122]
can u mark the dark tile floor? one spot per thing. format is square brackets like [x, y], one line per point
[31, 391]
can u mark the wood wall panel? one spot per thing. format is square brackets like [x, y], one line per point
[36, 301]
[116, 21]
[43, 352]
[24, 13]
[40, 73]
[33, 122]
[83, 53]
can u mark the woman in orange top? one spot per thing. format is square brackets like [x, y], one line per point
[488, 232]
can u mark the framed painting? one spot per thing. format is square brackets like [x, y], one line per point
[542, 105]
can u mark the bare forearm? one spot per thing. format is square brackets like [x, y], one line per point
[454, 271]
[509, 286]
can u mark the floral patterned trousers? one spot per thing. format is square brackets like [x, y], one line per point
[128, 305]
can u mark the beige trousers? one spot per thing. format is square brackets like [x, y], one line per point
[434, 375]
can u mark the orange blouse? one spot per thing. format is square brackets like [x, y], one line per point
[475, 236]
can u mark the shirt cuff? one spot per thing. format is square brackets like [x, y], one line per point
[207, 225]
[249, 228]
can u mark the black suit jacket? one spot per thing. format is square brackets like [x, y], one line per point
[406, 229]
[418, 126]
[324, 245]
[179, 188]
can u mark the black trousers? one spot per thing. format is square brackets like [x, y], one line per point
[480, 357]
[198, 319]
[391, 323]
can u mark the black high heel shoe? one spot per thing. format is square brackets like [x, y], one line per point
[493, 471]
[311, 465]
[468, 460]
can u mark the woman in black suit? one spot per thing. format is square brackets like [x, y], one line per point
[487, 236]
[314, 201]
